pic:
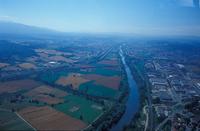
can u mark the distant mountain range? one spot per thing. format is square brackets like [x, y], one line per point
[12, 30]
[21, 29]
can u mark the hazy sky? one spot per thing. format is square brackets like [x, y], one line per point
[154, 17]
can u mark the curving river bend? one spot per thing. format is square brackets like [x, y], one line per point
[132, 104]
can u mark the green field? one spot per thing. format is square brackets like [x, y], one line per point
[10, 121]
[103, 71]
[51, 77]
[97, 90]
[85, 108]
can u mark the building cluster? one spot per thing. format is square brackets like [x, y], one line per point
[172, 88]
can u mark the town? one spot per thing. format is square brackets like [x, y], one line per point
[171, 73]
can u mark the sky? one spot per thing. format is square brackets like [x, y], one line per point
[149, 17]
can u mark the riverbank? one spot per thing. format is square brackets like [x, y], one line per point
[140, 121]
[132, 104]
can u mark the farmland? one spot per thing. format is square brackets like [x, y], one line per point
[111, 82]
[109, 62]
[27, 66]
[98, 90]
[17, 85]
[3, 65]
[80, 108]
[47, 94]
[72, 79]
[10, 121]
[51, 77]
[46, 118]
[107, 71]
[53, 55]
[56, 85]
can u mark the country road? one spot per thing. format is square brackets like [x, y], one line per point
[25, 121]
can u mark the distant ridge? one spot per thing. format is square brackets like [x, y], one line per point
[7, 27]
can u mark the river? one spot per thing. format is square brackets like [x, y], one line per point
[132, 104]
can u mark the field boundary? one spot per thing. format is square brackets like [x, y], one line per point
[25, 121]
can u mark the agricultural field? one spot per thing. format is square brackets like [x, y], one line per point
[93, 81]
[106, 71]
[54, 55]
[98, 90]
[27, 66]
[52, 77]
[54, 91]
[109, 62]
[104, 81]
[107, 81]
[47, 94]
[17, 101]
[10, 121]
[2, 65]
[92, 84]
[80, 108]
[47, 118]
[17, 85]
[73, 79]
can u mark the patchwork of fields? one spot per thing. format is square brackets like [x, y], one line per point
[42, 102]
[46, 118]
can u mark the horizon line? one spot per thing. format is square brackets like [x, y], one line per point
[133, 34]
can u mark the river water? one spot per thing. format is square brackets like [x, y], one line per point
[132, 104]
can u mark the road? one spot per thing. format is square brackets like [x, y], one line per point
[25, 121]
[100, 56]
[6, 110]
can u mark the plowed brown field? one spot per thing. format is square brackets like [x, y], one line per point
[73, 78]
[16, 85]
[47, 118]
[108, 81]
[44, 94]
